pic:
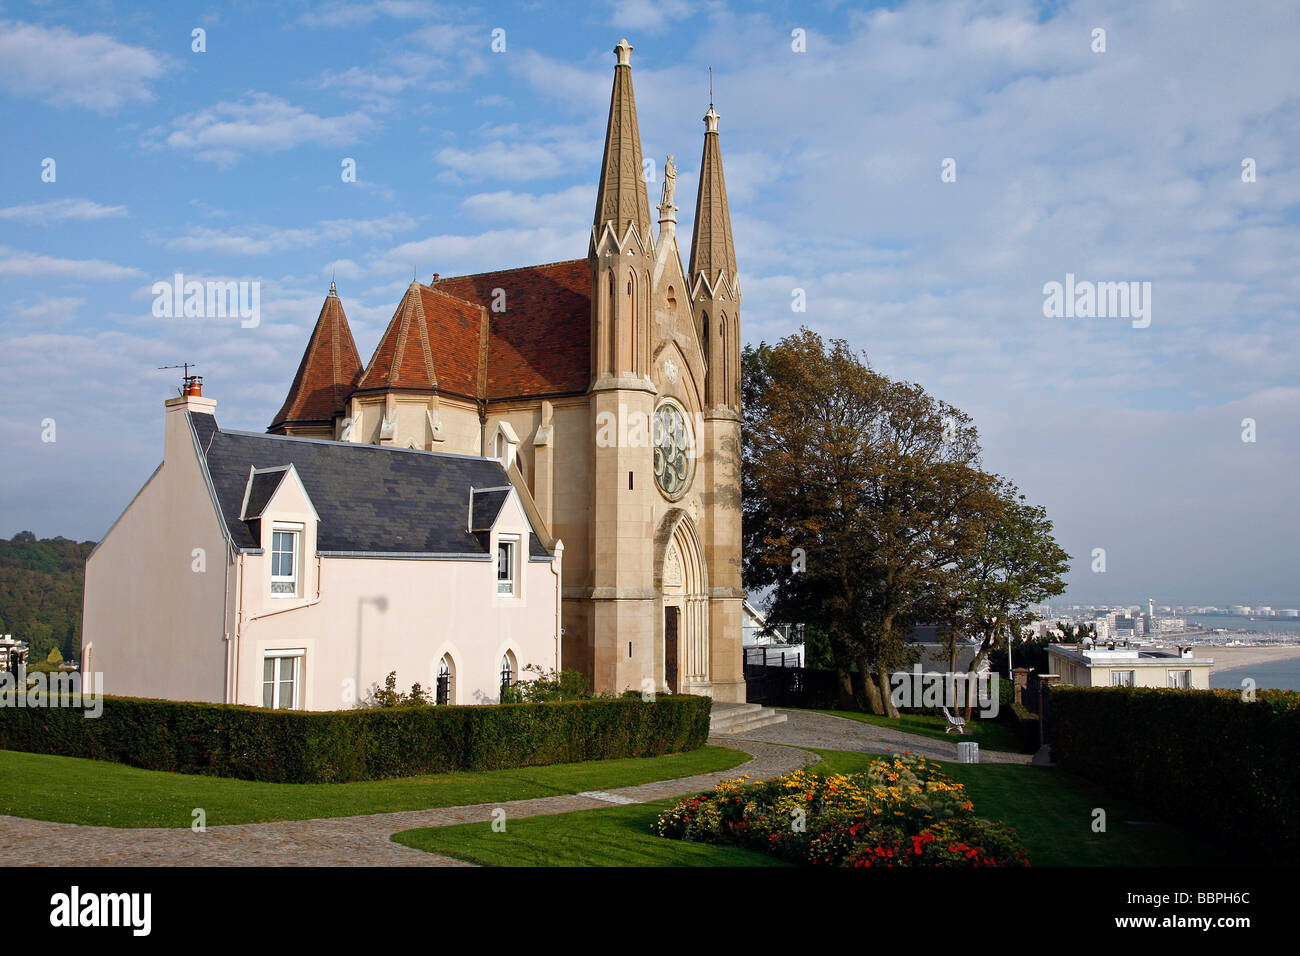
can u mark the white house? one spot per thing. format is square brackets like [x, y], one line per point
[289, 572]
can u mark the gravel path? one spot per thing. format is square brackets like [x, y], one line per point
[339, 841]
[805, 728]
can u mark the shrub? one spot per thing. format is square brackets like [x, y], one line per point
[288, 746]
[901, 812]
[1024, 722]
[1206, 757]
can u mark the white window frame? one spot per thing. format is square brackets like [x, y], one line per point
[1117, 681]
[508, 587]
[296, 657]
[1183, 675]
[295, 532]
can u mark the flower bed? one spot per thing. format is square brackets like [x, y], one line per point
[902, 811]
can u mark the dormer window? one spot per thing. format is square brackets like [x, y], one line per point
[507, 561]
[284, 561]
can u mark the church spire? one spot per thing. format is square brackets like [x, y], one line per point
[712, 248]
[621, 198]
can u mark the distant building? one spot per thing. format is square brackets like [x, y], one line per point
[1129, 667]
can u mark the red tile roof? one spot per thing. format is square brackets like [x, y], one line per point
[431, 343]
[328, 372]
[541, 343]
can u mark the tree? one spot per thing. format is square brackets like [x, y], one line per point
[860, 496]
[54, 657]
[1017, 563]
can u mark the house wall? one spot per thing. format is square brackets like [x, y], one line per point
[152, 623]
[376, 615]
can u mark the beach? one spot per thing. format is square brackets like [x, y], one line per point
[1226, 658]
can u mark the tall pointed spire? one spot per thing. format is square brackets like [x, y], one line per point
[327, 374]
[621, 198]
[712, 248]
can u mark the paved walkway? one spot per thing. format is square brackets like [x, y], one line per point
[366, 840]
[338, 841]
[805, 728]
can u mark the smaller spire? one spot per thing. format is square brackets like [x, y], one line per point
[333, 289]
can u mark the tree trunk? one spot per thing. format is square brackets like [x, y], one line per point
[975, 662]
[890, 710]
[843, 679]
[869, 688]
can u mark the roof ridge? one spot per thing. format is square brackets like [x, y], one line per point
[354, 444]
[493, 272]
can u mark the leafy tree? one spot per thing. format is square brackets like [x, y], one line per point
[54, 657]
[873, 484]
[1016, 564]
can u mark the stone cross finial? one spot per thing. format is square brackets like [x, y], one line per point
[624, 53]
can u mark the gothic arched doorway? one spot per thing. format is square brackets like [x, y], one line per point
[685, 625]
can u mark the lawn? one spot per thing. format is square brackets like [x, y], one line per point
[619, 836]
[72, 790]
[1051, 809]
[1053, 812]
[989, 734]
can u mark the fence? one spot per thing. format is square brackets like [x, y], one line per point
[779, 686]
[774, 656]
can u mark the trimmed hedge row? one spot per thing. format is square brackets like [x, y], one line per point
[1204, 758]
[1025, 723]
[287, 746]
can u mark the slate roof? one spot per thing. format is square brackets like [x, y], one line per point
[485, 508]
[370, 499]
[264, 484]
[328, 372]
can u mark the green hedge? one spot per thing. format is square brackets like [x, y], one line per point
[1024, 722]
[1204, 758]
[285, 746]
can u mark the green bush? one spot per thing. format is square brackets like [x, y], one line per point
[288, 746]
[1024, 722]
[1204, 758]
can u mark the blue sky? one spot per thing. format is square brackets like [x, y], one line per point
[1123, 165]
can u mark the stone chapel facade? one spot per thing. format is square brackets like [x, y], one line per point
[609, 388]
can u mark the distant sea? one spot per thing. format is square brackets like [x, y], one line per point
[1279, 675]
[1270, 625]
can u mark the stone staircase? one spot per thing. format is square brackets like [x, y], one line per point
[737, 718]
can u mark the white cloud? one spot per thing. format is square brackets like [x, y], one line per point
[16, 263]
[49, 310]
[63, 68]
[265, 240]
[260, 122]
[44, 212]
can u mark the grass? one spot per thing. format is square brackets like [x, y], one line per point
[989, 734]
[1053, 812]
[619, 836]
[1051, 809]
[95, 792]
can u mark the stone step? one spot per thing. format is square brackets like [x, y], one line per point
[738, 718]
